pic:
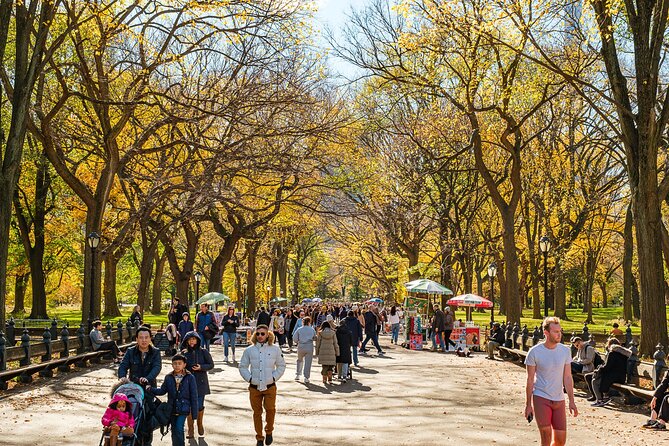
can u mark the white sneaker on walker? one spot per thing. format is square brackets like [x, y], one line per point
[306, 380]
[233, 358]
[297, 377]
[225, 359]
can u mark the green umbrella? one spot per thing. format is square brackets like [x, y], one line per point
[276, 300]
[212, 298]
[426, 286]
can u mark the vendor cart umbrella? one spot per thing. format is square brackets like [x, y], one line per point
[470, 300]
[276, 300]
[212, 298]
[426, 286]
[374, 300]
[317, 299]
[307, 301]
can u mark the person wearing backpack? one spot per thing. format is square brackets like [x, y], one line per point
[584, 361]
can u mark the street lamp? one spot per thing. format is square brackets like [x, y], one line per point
[545, 246]
[268, 288]
[492, 272]
[93, 242]
[245, 298]
[198, 277]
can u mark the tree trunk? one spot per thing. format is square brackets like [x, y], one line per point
[605, 298]
[20, 285]
[283, 273]
[636, 305]
[590, 270]
[251, 252]
[221, 261]
[511, 267]
[560, 292]
[38, 310]
[111, 302]
[157, 289]
[628, 257]
[651, 268]
[182, 274]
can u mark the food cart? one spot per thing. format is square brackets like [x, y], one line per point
[470, 335]
[422, 295]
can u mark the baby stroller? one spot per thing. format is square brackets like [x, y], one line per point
[135, 395]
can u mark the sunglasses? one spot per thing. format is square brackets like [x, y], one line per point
[260, 333]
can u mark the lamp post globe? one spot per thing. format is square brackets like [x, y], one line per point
[545, 247]
[93, 241]
[492, 272]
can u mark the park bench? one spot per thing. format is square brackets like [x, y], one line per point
[28, 349]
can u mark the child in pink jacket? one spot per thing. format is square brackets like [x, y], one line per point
[118, 420]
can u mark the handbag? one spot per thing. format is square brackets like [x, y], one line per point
[162, 414]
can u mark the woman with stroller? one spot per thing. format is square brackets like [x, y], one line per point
[198, 363]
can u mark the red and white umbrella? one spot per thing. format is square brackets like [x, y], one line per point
[470, 300]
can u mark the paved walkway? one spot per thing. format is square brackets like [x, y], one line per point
[405, 398]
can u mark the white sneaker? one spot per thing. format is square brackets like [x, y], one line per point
[226, 359]
[233, 358]
[297, 377]
[306, 380]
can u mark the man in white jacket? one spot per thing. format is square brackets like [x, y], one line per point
[262, 365]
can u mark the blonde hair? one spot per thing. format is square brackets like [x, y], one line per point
[546, 324]
[270, 335]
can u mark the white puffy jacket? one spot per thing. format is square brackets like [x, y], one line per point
[262, 364]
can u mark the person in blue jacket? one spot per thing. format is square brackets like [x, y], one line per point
[198, 362]
[141, 364]
[205, 325]
[355, 326]
[181, 390]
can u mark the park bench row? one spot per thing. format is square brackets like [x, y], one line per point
[518, 342]
[44, 352]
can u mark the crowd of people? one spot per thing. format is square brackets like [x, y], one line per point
[337, 334]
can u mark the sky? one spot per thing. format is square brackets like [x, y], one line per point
[332, 14]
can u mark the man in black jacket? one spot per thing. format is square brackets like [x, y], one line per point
[141, 364]
[355, 326]
[371, 319]
[495, 340]
[438, 327]
[263, 317]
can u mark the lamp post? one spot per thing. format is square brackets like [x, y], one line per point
[492, 272]
[545, 246]
[268, 288]
[245, 298]
[93, 242]
[198, 277]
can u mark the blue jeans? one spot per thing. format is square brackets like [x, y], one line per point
[355, 354]
[442, 344]
[229, 339]
[204, 341]
[200, 402]
[395, 333]
[375, 339]
[178, 435]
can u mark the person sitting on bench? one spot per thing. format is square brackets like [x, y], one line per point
[614, 370]
[495, 340]
[659, 406]
[100, 343]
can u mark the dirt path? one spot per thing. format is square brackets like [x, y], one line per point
[405, 398]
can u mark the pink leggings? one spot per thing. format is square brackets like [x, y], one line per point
[550, 413]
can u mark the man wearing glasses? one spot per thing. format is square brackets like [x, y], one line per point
[262, 365]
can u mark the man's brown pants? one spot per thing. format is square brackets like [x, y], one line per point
[266, 399]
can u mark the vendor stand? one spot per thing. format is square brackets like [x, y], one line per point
[423, 293]
[468, 336]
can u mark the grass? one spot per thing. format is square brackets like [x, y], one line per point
[603, 319]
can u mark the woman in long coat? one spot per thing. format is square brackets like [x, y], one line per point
[327, 350]
[198, 362]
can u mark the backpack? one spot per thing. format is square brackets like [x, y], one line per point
[598, 358]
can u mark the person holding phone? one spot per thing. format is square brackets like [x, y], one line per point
[198, 363]
[548, 367]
